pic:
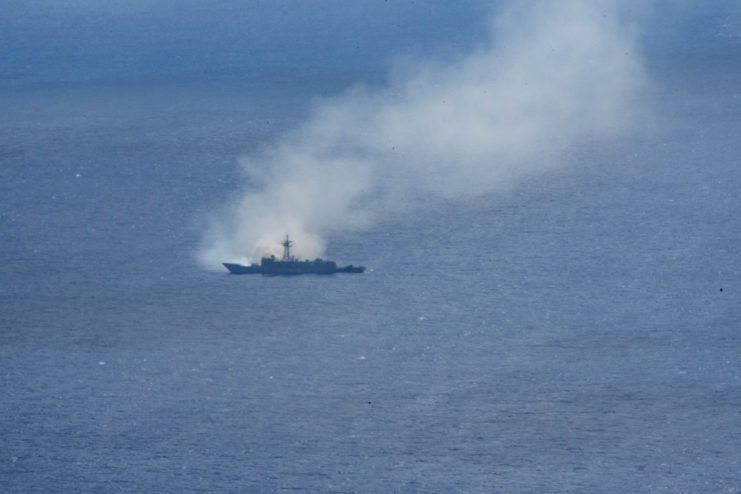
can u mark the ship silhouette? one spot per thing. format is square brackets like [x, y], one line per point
[289, 265]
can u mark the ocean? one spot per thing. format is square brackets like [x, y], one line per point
[576, 332]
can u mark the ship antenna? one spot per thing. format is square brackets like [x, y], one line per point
[287, 249]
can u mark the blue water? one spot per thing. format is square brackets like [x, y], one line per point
[569, 335]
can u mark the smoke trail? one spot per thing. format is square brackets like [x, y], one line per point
[552, 74]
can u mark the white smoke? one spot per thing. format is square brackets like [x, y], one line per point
[551, 74]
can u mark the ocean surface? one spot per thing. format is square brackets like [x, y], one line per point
[579, 332]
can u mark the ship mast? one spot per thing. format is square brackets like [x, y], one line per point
[286, 249]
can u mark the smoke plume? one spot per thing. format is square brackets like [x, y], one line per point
[551, 74]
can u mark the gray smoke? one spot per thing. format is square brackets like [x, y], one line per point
[552, 74]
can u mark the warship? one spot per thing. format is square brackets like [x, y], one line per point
[289, 265]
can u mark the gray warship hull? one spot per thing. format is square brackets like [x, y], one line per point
[292, 268]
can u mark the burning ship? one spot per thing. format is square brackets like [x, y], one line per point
[289, 265]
